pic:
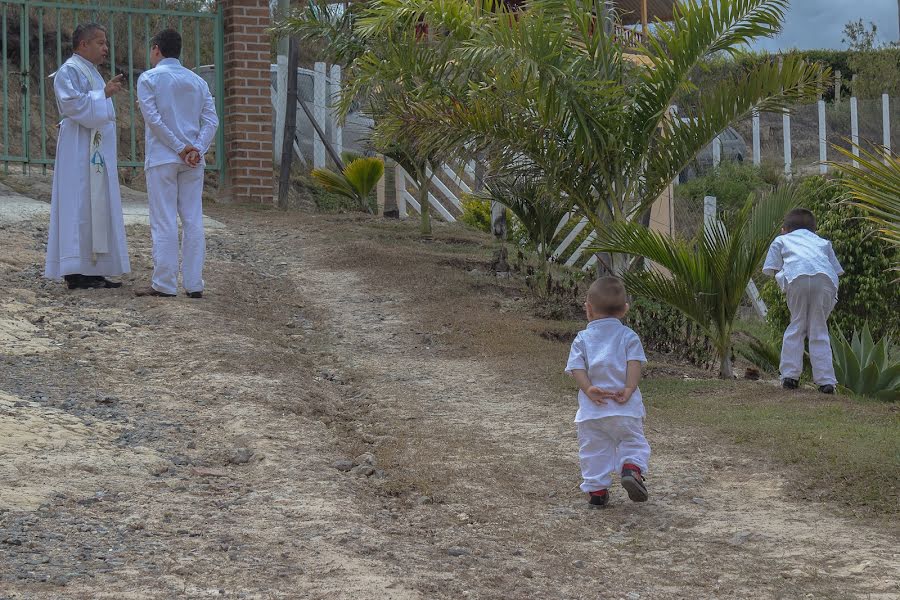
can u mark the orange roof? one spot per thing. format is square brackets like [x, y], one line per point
[629, 11]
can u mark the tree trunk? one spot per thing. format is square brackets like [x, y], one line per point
[726, 369]
[498, 220]
[424, 205]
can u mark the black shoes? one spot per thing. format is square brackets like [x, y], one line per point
[86, 282]
[633, 482]
[793, 384]
[194, 294]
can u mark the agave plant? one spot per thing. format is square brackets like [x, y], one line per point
[356, 181]
[706, 278]
[865, 367]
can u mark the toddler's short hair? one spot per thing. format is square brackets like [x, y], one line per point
[607, 296]
[800, 218]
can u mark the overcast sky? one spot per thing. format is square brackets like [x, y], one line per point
[820, 23]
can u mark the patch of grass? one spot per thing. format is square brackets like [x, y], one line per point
[842, 450]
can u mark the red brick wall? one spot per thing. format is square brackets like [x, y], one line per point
[248, 108]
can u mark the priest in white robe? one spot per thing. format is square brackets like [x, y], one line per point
[86, 241]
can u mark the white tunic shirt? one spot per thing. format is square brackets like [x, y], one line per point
[801, 252]
[84, 107]
[603, 350]
[178, 111]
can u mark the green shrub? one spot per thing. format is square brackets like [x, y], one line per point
[866, 290]
[731, 183]
[666, 330]
[476, 213]
[865, 367]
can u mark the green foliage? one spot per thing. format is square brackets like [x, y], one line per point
[875, 64]
[866, 290]
[865, 367]
[666, 330]
[476, 213]
[875, 189]
[355, 182]
[731, 183]
[550, 96]
[762, 352]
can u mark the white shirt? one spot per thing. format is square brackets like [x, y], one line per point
[801, 252]
[603, 350]
[178, 111]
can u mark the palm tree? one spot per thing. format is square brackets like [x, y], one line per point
[548, 94]
[372, 76]
[705, 278]
[874, 187]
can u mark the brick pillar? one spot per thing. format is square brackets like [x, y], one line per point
[248, 107]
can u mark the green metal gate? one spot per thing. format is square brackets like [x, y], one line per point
[36, 40]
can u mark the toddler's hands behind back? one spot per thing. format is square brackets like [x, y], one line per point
[623, 395]
[599, 396]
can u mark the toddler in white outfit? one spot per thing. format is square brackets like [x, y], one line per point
[806, 269]
[605, 361]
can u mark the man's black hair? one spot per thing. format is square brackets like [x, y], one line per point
[169, 43]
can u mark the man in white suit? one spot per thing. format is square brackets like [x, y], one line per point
[181, 122]
[86, 241]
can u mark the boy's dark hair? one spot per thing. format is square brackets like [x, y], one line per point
[169, 43]
[799, 218]
[607, 296]
[84, 33]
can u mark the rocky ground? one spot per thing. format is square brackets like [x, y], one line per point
[314, 429]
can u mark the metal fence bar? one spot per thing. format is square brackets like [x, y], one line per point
[26, 91]
[131, 99]
[42, 86]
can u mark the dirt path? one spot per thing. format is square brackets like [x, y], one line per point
[303, 433]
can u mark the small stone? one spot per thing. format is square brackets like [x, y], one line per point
[241, 456]
[191, 445]
[181, 460]
[343, 465]
[578, 564]
[633, 596]
[518, 552]
[108, 400]
[367, 458]
[699, 501]
[365, 470]
[458, 551]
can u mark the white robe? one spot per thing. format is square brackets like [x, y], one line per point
[84, 106]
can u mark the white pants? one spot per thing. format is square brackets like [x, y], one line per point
[605, 445]
[176, 191]
[810, 298]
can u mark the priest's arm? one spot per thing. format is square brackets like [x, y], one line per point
[89, 108]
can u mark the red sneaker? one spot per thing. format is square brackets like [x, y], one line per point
[633, 482]
[598, 497]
